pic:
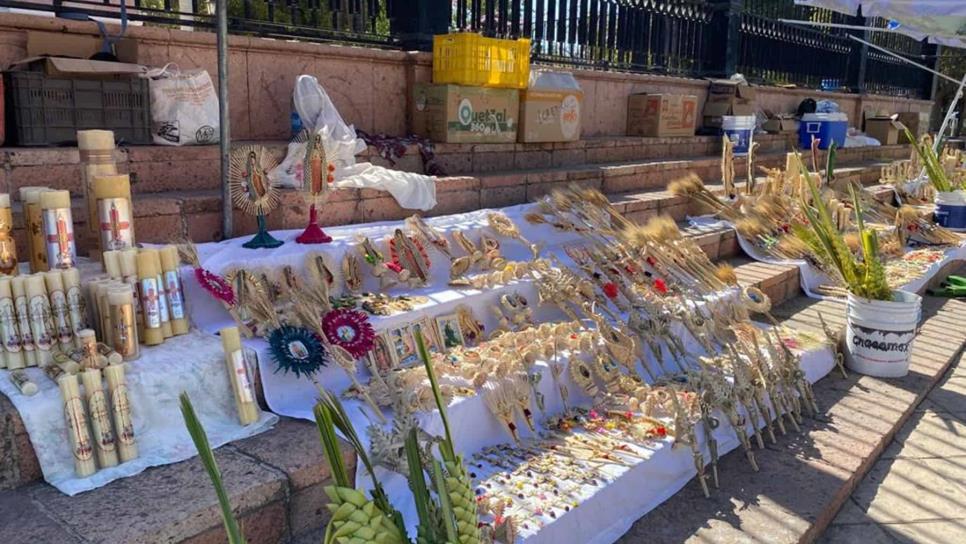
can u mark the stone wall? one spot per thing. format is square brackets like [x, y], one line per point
[370, 86]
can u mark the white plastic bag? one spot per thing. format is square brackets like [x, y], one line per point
[318, 114]
[184, 107]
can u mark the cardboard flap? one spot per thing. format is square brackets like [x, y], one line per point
[69, 66]
[60, 44]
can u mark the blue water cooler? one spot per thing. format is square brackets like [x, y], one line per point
[827, 127]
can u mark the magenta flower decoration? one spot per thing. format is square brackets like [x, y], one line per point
[349, 329]
[216, 286]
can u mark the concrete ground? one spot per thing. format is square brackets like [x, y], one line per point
[915, 492]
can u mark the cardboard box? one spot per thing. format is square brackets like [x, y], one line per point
[459, 114]
[782, 123]
[713, 111]
[59, 44]
[659, 115]
[916, 122]
[550, 115]
[724, 90]
[882, 129]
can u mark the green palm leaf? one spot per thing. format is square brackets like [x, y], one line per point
[207, 456]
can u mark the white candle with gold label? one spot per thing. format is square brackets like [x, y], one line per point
[23, 384]
[105, 443]
[9, 329]
[238, 375]
[38, 306]
[18, 285]
[76, 303]
[58, 306]
[129, 273]
[58, 229]
[87, 340]
[172, 288]
[77, 429]
[8, 247]
[115, 219]
[124, 336]
[104, 307]
[150, 293]
[34, 224]
[121, 408]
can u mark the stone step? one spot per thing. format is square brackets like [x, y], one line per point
[274, 481]
[158, 169]
[163, 216]
[806, 478]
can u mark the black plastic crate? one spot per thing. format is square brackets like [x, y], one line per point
[44, 110]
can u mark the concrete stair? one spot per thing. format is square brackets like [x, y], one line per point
[177, 189]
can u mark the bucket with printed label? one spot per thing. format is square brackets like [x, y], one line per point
[740, 129]
[879, 334]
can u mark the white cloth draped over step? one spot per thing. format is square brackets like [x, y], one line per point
[318, 113]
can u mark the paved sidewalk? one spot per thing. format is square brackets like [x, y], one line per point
[915, 492]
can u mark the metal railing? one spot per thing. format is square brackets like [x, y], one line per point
[695, 38]
[662, 36]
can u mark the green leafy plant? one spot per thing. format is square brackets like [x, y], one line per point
[930, 161]
[353, 515]
[865, 277]
[207, 456]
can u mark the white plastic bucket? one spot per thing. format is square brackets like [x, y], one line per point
[951, 210]
[740, 129]
[879, 334]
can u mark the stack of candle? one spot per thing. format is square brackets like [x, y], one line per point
[100, 426]
[142, 300]
[37, 312]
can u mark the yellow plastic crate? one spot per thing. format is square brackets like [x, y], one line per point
[467, 58]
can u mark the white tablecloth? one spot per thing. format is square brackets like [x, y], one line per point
[193, 363]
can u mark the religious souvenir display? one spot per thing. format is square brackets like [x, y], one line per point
[97, 159]
[105, 446]
[34, 225]
[316, 175]
[78, 430]
[252, 191]
[121, 409]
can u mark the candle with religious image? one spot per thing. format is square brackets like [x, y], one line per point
[173, 290]
[238, 374]
[76, 303]
[129, 275]
[150, 293]
[96, 149]
[115, 219]
[8, 247]
[34, 225]
[58, 230]
[105, 443]
[121, 408]
[89, 357]
[59, 312]
[9, 329]
[38, 307]
[162, 295]
[23, 384]
[82, 447]
[19, 287]
[124, 335]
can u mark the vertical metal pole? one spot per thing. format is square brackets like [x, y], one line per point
[224, 140]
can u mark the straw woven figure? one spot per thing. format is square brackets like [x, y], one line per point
[252, 191]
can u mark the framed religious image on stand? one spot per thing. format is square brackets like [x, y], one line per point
[403, 346]
[427, 327]
[382, 357]
[449, 330]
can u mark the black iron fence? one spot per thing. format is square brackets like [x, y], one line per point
[699, 38]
